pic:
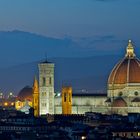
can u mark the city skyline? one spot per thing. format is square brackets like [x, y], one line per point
[69, 69]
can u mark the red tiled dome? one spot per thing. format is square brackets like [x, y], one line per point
[119, 102]
[25, 94]
[127, 70]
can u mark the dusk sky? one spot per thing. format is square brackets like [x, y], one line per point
[85, 27]
[75, 18]
[30, 30]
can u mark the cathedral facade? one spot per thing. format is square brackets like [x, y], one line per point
[123, 91]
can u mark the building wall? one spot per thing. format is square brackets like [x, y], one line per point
[82, 104]
[20, 104]
[89, 100]
[83, 100]
[127, 90]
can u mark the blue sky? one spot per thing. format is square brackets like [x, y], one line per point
[86, 27]
[75, 18]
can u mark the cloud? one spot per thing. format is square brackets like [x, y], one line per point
[87, 41]
[101, 44]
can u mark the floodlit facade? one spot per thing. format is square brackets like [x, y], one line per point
[46, 88]
[123, 91]
[83, 102]
[66, 100]
[24, 96]
[124, 84]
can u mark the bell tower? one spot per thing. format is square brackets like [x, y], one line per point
[36, 98]
[67, 100]
[46, 88]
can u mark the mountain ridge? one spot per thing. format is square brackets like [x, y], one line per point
[84, 63]
[81, 73]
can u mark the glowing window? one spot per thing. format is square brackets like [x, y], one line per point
[50, 80]
[44, 81]
[65, 97]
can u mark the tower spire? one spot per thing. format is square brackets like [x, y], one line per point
[36, 97]
[130, 50]
[35, 85]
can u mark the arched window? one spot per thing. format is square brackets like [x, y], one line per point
[120, 93]
[50, 80]
[69, 98]
[136, 93]
[65, 97]
[43, 93]
[44, 81]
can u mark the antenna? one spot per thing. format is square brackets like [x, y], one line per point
[46, 57]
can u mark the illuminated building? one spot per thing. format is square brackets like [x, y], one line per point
[7, 101]
[67, 100]
[19, 104]
[11, 95]
[28, 97]
[123, 94]
[46, 88]
[25, 95]
[36, 98]
[26, 108]
[123, 91]
[124, 84]
[1, 96]
[83, 102]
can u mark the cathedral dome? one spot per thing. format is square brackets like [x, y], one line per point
[25, 94]
[119, 102]
[127, 70]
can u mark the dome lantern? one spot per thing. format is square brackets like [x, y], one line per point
[130, 50]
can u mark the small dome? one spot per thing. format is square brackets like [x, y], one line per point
[25, 94]
[127, 70]
[119, 102]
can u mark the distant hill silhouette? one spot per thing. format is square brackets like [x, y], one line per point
[73, 64]
[18, 47]
[89, 73]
